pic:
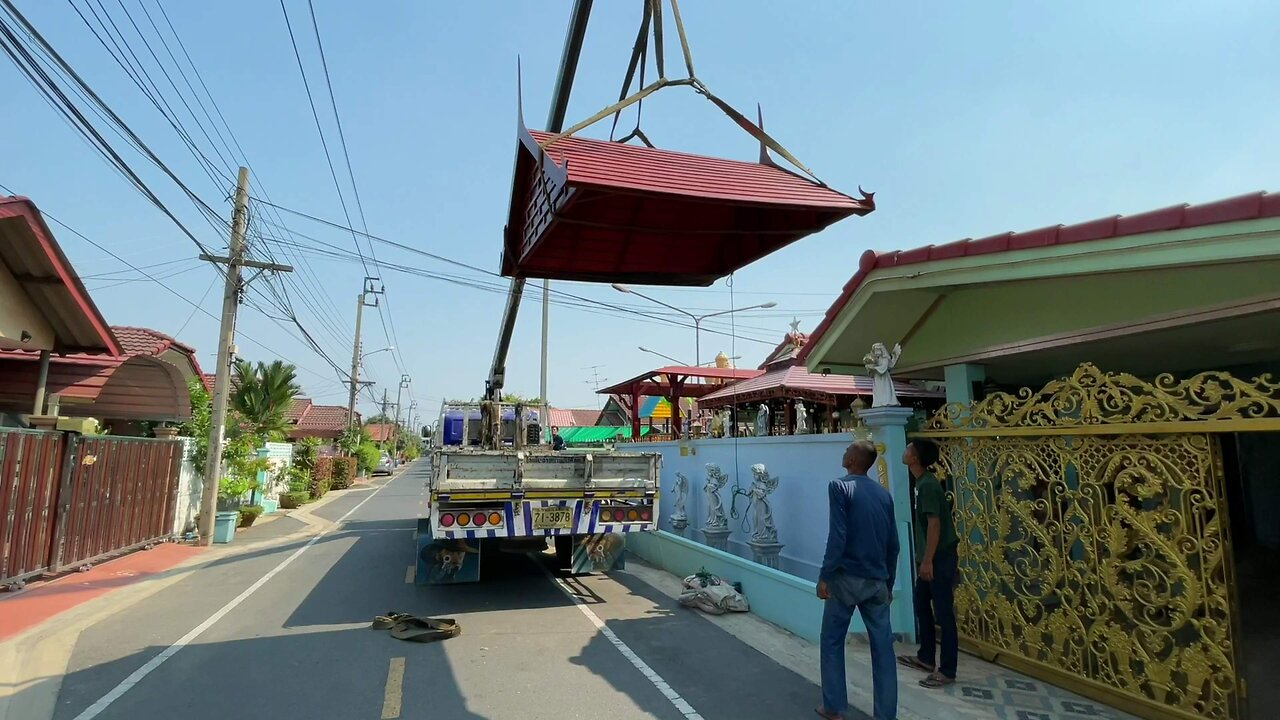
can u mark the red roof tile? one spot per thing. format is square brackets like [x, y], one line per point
[381, 432]
[598, 211]
[573, 418]
[326, 421]
[145, 341]
[31, 253]
[796, 381]
[616, 165]
[296, 409]
[1242, 207]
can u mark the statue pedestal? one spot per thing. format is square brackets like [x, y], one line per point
[766, 553]
[679, 523]
[888, 427]
[717, 538]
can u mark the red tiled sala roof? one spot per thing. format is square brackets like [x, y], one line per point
[618, 165]
[1241, 207]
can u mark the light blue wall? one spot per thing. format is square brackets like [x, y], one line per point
[804, 465]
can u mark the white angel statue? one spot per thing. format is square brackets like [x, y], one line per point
[880, 361]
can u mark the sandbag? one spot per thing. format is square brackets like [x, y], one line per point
[712, 595]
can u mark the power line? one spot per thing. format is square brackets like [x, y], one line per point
[83, 122]
[170, 290]
[309, 283]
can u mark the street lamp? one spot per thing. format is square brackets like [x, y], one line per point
[375, 352]
[641, 348]
[697, 319]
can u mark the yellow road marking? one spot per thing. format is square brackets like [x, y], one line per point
[410, 573]
[395, 689]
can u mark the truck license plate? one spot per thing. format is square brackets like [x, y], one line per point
[552, 518]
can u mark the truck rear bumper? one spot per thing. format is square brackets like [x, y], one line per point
[519, 518]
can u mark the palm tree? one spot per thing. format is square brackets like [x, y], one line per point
[264, 393]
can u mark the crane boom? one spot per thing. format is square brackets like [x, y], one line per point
[555, 123]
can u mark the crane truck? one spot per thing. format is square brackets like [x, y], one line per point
[502, 488]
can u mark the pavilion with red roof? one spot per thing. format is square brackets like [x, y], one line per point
[673, 382]
[786, 381]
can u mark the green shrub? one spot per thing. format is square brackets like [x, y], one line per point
[344, 473]
[248, 514]
[369, 457]
[299, 479]
[294, 499]
[305, 452]
[321, 477]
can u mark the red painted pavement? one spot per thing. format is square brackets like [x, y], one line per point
[39, 602]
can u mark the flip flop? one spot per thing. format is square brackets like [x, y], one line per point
[827, 714]
[914, 663]
[385, 622]
[416, 629]
[937, 680]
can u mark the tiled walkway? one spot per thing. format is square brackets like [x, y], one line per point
[983, 691]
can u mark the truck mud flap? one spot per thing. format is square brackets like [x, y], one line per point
[444, 561]
[601, 552]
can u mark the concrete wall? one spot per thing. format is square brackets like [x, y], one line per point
[190, 487]
[804, 465]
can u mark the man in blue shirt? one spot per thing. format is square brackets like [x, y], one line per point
[858, 572]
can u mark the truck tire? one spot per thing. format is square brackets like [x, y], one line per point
[564, 551]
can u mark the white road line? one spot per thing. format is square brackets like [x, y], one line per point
[667, 691]
[393, 694]
[137, 675]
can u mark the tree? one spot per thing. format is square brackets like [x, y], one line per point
[352, 438]
[264, 393]
[514, 398]
[197, 428]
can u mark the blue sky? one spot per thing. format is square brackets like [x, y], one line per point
[966, 119]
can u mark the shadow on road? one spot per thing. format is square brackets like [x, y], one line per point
[326, 674]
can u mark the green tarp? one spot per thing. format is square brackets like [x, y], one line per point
[597, 434]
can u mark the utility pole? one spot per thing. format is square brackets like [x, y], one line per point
[371, 287]
[382, 444]
[404, 383]
[232, 291]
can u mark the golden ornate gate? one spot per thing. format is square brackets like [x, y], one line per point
[1094, 536]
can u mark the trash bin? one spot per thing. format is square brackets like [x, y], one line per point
[224, 526]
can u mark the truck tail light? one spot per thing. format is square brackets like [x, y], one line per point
[478, 520]
[464, 519]
[646, 513]
[495, 519]
[446, 520]
[606, 515]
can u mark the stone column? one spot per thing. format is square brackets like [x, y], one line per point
[888, 428]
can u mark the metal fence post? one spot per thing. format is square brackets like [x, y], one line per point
[70, 455]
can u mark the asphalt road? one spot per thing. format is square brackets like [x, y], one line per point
[227, 643]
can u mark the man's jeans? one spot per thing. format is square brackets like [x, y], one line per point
[871, 598]
[936, 605]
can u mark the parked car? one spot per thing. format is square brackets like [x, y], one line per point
[384, 466]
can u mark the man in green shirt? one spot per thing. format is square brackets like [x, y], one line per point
[935, 553]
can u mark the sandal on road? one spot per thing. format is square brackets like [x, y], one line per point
[914, 663]
[827, 714]
[937, 680]
[385, 622]
[416, 629]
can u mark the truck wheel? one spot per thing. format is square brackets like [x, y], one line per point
[564, 551]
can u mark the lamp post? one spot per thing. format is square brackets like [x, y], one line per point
[375, 352]
[697, 319]
[642, 348]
